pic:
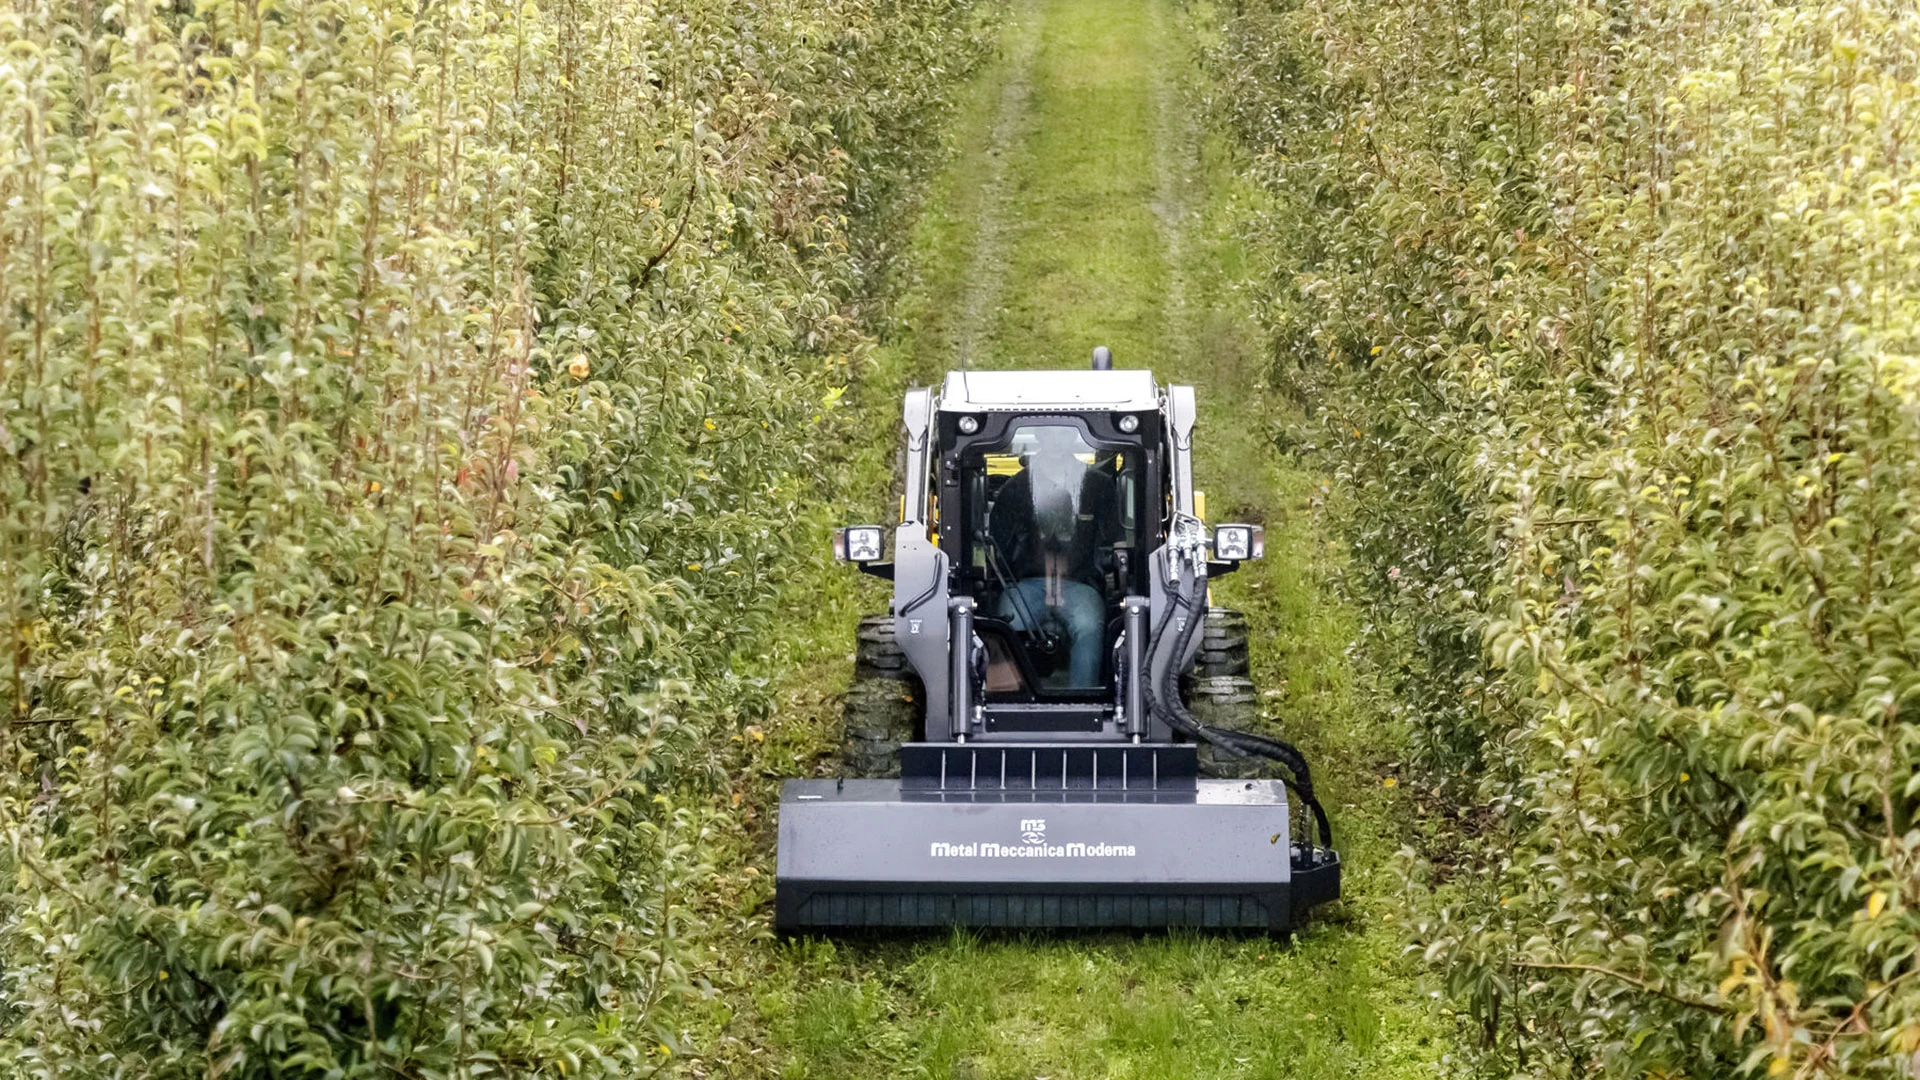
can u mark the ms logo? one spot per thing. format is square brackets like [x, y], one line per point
[1033, 830]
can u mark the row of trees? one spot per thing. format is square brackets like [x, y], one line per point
[402, 410]
[1608, 311]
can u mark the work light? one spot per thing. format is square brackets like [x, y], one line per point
[857, 543]
[1238, 543]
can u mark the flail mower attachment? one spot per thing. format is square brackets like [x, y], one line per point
[1045, 836]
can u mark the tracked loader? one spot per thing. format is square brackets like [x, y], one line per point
[1034, 735]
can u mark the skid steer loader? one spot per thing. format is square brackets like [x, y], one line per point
[1026, 730]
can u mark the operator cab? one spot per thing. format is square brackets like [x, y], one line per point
[1041, 503]
[1048, 476]
[1051, 517]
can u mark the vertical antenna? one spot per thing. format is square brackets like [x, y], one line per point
[964, 384]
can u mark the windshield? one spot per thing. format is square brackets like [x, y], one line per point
[1052, 525]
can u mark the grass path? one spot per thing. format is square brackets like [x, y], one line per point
[1083, 206]
[986, 268]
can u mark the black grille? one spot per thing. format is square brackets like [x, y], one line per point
[989, 909]
[987, 767]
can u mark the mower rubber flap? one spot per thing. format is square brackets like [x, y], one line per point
[1031, 835]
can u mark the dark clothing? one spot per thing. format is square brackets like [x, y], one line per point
[1072, 522]
[1050, 522]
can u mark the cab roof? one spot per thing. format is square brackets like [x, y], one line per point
[1077, 390]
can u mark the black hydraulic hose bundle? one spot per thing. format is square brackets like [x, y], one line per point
[1163, 693]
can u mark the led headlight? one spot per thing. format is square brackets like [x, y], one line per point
[858, 543]
[1238, 543]
[1129, 424]
[969, 425]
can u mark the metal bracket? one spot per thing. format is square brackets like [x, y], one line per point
[960, 678]
[1134, 709]
[1180, 417]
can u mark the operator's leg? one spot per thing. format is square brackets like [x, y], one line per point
[1085, 614]
[1026, 597]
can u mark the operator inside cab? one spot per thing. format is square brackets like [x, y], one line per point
[1052, 525]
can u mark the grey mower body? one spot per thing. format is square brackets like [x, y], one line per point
[1049, 589]
[1021, 836]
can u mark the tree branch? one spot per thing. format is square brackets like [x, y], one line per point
[1642, 984]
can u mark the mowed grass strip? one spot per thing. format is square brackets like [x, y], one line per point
[1087, 261]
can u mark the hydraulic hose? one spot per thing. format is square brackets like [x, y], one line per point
[1187, 593]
